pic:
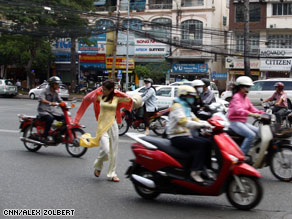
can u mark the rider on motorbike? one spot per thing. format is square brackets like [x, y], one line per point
[48, 99]
[207, 96]
[240, 108]
[281, 105]
[181, 120]
[198, 85]
[149, 99]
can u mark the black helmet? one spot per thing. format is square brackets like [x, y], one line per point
[54, 80]
[148, 80]
[206, 81]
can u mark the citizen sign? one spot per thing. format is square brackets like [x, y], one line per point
[276, 59]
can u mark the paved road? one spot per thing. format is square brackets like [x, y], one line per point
[51, 179]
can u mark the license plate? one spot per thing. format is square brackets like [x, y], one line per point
[12, 88]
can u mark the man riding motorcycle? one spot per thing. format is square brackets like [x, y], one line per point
[48, 99]
[181, 120]
[207, 96]
[281, 105]
[198, 85]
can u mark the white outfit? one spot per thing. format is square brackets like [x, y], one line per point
[109, 148]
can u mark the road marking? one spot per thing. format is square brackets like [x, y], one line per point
[9, 131]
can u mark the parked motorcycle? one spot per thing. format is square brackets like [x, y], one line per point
[136, 121]
[64, 132]
[159, 167]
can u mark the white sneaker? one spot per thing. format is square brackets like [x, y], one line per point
[196, 176]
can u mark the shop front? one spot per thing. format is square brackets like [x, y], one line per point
[276, 63]
[235, 68]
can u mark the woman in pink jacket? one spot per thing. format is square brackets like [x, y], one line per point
[240, 108]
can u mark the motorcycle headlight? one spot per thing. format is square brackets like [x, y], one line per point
[233, 158]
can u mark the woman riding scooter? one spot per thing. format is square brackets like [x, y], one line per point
[240, 108]
[181, 120]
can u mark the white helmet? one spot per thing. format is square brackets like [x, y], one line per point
[244, 80]
[197, 83]
[185, 90]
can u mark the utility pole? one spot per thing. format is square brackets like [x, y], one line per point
[127, 66]
[112, 75]
[246, 38]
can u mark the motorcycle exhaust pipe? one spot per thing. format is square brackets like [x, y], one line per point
[31, 141]
[146, 182]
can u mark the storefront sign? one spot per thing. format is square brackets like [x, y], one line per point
[92, 58]
[98, 45]
[121, 63]
[240, 72]
[217, 75]
[271, 63]
[150, 48]
[189, 68]
[234, 63]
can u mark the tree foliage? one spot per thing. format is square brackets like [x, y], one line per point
[156, 71]
[39, 22]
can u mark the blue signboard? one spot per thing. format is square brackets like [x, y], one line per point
[190, 68]
[120, 74]
[217, 75]
[93, 66]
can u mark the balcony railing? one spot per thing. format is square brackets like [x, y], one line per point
[160, 6]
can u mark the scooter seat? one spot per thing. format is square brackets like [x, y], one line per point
[166, 146]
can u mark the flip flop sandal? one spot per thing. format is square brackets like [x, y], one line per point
[96, 173]
[115, 179]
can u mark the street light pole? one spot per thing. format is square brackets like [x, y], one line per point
[127, 63]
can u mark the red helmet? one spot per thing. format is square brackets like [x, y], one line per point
[279, 85]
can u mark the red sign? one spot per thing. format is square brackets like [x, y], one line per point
[92, 58]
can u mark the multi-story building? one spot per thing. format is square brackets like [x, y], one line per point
[270, 39]
[186, 33]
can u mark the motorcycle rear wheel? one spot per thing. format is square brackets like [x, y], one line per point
[248, 199]
[123, 127]
[144, 192]
[28, 131]
[160, 126]
[75, 150]
[281, 163]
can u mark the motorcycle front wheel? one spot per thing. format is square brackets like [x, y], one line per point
[123, 127]
[250, 196]
[29, 132]
[281, 163]
[75, 150]
[159, 126]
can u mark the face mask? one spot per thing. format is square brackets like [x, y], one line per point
[190, 100]
[247, 89]
[148, 85]
[200, 90]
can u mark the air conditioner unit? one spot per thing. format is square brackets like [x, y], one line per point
[175, 39]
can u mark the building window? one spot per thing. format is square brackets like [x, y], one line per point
[135, 24]
[161, 27]
[282, 9]
[280, 41]
[192, 3]
[254, 41]
[192, 32]
[254, 13]
[104, 24]
[160, 4]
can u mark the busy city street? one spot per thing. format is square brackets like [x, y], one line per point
[52, 179]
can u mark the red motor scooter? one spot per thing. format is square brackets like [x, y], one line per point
[136, 121]
[64, 132]
[161, 168]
